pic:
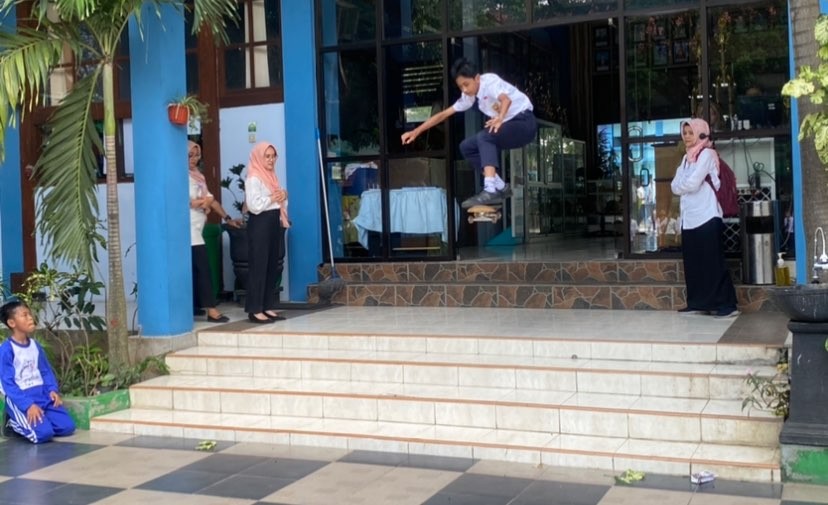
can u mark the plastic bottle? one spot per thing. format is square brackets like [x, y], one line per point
[782, 274]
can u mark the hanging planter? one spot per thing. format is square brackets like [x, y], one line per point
[179, 114]
[187, 110]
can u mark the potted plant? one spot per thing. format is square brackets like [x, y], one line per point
[234, 183]
[186, 110]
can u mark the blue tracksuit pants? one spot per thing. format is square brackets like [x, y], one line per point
[56, 421]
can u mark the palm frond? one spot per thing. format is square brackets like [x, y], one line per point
[66, 171]
[26, 60]
[215, 14]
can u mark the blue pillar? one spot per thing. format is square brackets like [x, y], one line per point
[299, 60]
[162, 218]
[11, 202]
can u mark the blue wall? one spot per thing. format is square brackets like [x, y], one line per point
[162, 217]
[299, 60]
[11, 203]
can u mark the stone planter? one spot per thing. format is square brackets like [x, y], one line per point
[84, 408]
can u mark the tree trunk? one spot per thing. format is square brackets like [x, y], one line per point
[116, 315]
[814, 202]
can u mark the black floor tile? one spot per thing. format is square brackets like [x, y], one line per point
[443, 463]
[76, 494]
[183, 481]
[486, 485]
[560, 493]
[21, 457]
[284, 468]
[792, 502]
[183, 444]
[15, 489]
[225, 464]
[466, 499]
[249, 487]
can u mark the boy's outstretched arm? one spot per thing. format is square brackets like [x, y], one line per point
[408, 137]
[10, 388]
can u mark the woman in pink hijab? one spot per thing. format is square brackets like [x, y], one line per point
[709, 286]
[267, 204]
[201, 204]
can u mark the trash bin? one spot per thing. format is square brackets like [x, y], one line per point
[757, 225]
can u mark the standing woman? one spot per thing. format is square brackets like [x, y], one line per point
[709, 286]
[201, 203]
[267, 203]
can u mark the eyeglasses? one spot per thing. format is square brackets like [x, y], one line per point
[194, 155]
[271, 156]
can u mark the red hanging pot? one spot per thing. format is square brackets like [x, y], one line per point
[179, 114]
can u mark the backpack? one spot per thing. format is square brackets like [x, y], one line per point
[728, 194]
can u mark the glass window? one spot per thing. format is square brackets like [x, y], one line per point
[647, 4]
[414, 91]
[477, 14]
[548, 9]
[662, 71]
[418, 183]
[351, 102]
[252, 58]
[351, 21]
[748, 65]
[415, 17]
[355, 203]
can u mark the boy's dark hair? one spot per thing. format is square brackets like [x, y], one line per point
[463, 68]
[7, 311]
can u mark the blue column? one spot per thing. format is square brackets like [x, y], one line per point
[299, 60]
[11, 203]
[162, 218]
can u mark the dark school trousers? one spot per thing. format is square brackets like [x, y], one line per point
[709, 286]
[56, 421]
[483, 148]
[203, 294]
[265, 257]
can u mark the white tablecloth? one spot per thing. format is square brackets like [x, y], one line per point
[413, 210]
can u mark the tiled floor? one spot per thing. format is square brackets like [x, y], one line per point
[114, 469]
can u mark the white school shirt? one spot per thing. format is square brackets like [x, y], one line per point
[197, 216]
[257, 196]
[26, 365]
[491, 87]
[698, 201]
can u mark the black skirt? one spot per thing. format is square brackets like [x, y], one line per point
[709, 286]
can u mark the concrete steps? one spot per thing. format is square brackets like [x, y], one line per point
[655, 406]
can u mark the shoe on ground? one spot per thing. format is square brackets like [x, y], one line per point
[687, 311]
[726, 313]
[6, 430]
[221, 319]
[483, 198]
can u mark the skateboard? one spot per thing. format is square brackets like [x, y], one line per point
[484, 214]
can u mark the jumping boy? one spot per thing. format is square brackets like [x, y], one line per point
[511, 124]
[34, 407]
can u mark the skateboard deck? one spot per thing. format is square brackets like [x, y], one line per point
[484, 214]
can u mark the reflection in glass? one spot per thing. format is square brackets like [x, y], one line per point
[548, 9]
[749, 63]
[418, 207]
[415, 17]
[645, 4]
[355, 229]
[351, 102]
[662, 73]
[476, 14]
[414, 91]
[351, 21]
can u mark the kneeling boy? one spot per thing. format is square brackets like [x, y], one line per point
[33, 405]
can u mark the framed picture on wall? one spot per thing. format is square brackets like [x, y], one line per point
[680, 27]
[661, 54]
[641, 55]
[660, 29]
[601, 36]
[681, 51]
[602, 60]
[639, 32]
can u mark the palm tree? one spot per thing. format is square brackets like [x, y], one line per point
[814, 204]
[89, 31]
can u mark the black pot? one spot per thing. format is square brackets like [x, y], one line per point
[238, 255]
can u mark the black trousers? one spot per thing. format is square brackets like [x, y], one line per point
[483, 148]
[266, 257]
[709, 286]
[203, 296]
